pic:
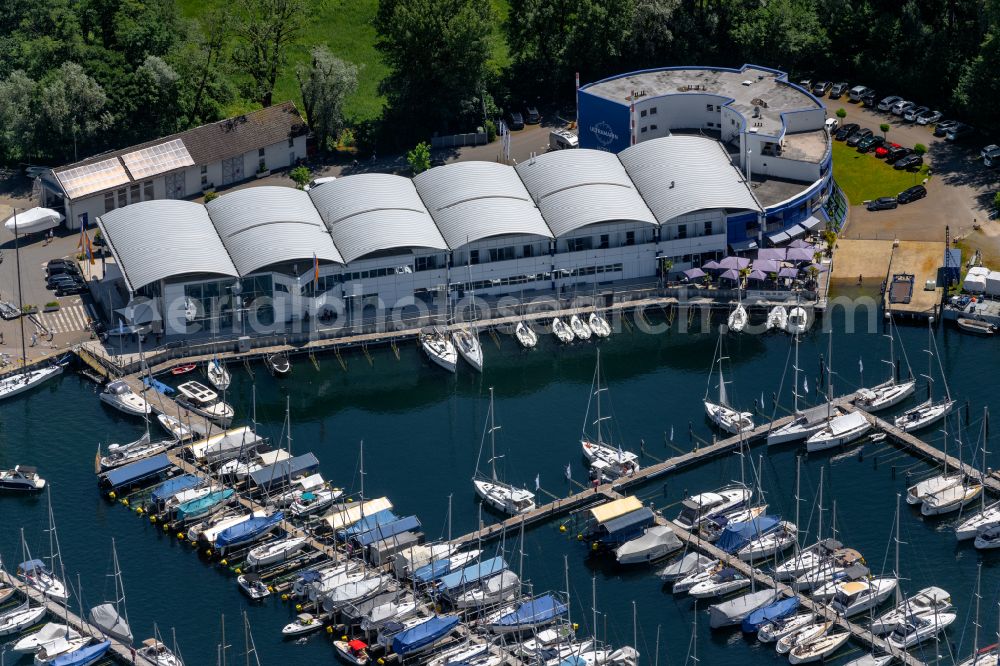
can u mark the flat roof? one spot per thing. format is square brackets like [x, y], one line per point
[806, 146]
[747, 87]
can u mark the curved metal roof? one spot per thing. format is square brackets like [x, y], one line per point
[681, 174]
[163, 238]
[373, 212]
[575, 188]
[470, 201]
[261, 226]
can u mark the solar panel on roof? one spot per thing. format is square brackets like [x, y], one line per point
[157, 159]
[91, 178]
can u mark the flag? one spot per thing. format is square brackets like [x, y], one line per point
[762, 400]
[90, 249]
[538, 482]
[861, 365]
[569, 473]
[315, 268]
[671, 432]
[805, 385]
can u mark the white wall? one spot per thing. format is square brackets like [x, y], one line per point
[804, 121]
[781, 167]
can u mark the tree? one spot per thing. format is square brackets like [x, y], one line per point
[18, 119]
[781, 31]
[204, 55]
[325, 83]
[437, 52]
[919, 149]
[841, 113]
[72, 109]
[266, 28]
[301, 176]
[419, 158]
[885, 127]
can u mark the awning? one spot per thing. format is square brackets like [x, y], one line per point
[795, 231]
[137, 471]
[616, 508]
[766, 265]
[812, 223]
[778, 237]
[744, 245]
[139, 312]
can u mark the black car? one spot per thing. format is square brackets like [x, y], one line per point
[515, 120]
[71, 290]
[897, 153]
[912, 194]
[870, 142]
[839, 90]
[531, 116]
[908, 162]
[943, 127]
[63, 269]
[846, 131]
[882, 203]
[868, 99]
[57, 281]
[856, 138]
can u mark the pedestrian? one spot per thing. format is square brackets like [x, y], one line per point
[861, 278]
[34, 339]
[1, 337]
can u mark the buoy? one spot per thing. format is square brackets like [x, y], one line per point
[579, 537]
[329, 630]
[575, 626]
[208, 552]
[593, 546]
[350, 499]
[112, 495]
[270, 588]
[166, 528]
[152, 519]
[298, 608]
[562, 528]
[343, 638]
[224, 562]
[138, 510]
[381, 660]
[125, 501]
[180, 535]
[284, 597]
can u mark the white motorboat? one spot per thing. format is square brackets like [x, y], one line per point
[738, 319]
[697, 509]
[721, 413]
[218, 376]
[695, 576]
[328, 584]
[802, 635]
[119, 394]
[563, 332]
[354, 652]
[205, 402]
[355, 591]
[806, 559]
[208, 530]
[656, 542]
[36, 640]
[843, 563]
[22, 478]
[976, 326]
[918, 628]
[34, 220]
[304, 623]
[722, 582]
[122, 454]
[777, 318]
[59, 648]
[712, 529]
[466, 341]
[15, 384]
[599, 325]
[797, 322]
[768, 545]
[251, 585]
[682, 567]
[988, 539]
[579, 327]
[839, 431]
[951, 499]
[923, 415]
[278, 364]
[501, 496]
[311, 501]
[20, 618]
[860, 596]
[927, 601]
[734, 610]
[773, 632]
[274, 552]
[175, 427]
[242, 467]
[158, 653]
[979, 522]
[819, 649]
[525, 335]
[439, 349]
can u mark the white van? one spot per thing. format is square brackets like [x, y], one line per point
[561, 139]
[831, 125]
[857, 92]
[316, 182]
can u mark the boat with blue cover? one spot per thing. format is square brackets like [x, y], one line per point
[85, 656]
[530, 614]
[203, 506]
[366, 523]
[737, 535]
[615, 532]
[470, 575]
[248, 531]
[424, 635]
[386, 531]
[778, 610]
[444, 566]
[171, 487]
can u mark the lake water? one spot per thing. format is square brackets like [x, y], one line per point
[422, 431]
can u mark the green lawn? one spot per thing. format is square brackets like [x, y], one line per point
[345, 26]
[862, 176]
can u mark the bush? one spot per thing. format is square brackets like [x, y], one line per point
[996, 200]
[347, 139]
[28, 308]
[885, 127]
[920, 149]
[841, 113]
[420, 157]
[52, 304]
[491, 131]
[211, 195]
[301, 176]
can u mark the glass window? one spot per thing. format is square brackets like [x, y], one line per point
[605, 242]
[682, 231]
[642, 114]
[652, 111]
[109, 201]
[147, 190]
[204, 169]
[122, 197]
[652, 128]
[260, 153]
[291, 142]
[630, 238]
[502, 254]
[133, 193]
[644, 128]
[474, 256]
[528, 251]
[708, 228]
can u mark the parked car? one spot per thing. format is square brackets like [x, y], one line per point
[988, 149]
[883, 151]
[316, 182]
[63, 269]
[911, 194]
[909, 162]
[928, 117]
[806, 83]
[870, 142]
[868, 99]
[882, 203]
[901, 107]
[856, 138]
[846, 131]
[515, 120]
[857, 92]
[821, 88]
[942, 127]
[897, 153]
[992, 158]
[887, 103]
[62, 281]
[959, 131]
[531, 116]
[71, 290]
[562, 139]
[912, 113]
[838, 90]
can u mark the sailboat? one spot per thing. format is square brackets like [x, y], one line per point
[989, 655]
[501, 496]
[721, 413]
[111, 617]
[39, 576]
[777, 318]
[890, 392]
[154, 650]
[930, 411]
[579, 327]
[805, 423]
[439, 349]
[599, 325]
[466, 336]
[988, 516]
[959, 495]
[562, 331]
[860, 596]
[925, 488]
[525, 335]
[839, 430]
[738, 319]
[217, 374]
[17, 619]
[605, 461]
[797, 321]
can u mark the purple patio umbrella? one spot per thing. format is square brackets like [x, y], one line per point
[738, 263]
[758, 275]
[711, 266]
[819, 267]
[772, 253]
[799, 254]
[730, 274]
[766, 265]
[799, 242]
[788, 272]
[694, 273]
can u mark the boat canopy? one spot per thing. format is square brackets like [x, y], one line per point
[32, 565]
[367, 523]
[380, 551]
[471, 574]
[85, 655]
[630, 521]
[435, 569]
[424, 634]
[611, 510]
[534, 611]
[775, 611]
[226, 445]
[348, 515]
[847, 422]
[247, 530]
[106, 618]
[171, 487]
[385, 531]
[134, 472]
[814, 415]
[737, 535]
[198, 506]
[280, 473]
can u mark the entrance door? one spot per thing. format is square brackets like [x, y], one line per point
[232, 170]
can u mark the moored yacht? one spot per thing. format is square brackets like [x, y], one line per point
[21, 479]
[119, 394]
[439, 349]
[203, 401]
[699, 508]
[839, 431]
[466, 341]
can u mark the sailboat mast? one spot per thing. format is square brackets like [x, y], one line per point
[829, 375]
[898, 592]
[892, 356]
[597, 385]
[635, 633]
[20, 300]
[593, 606]
[569, 606]
[798, 488]
[119, 584]
[975, 625]
[493, 442]
[795, 383]
[819, 532]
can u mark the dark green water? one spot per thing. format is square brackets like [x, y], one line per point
[422, 432]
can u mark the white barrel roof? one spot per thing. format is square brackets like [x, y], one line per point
[681, 174]
[371, 212]
[268, 225]
[575, 188]
[155, 240]
[470, 201]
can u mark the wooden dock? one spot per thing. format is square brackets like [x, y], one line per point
[119, 652]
